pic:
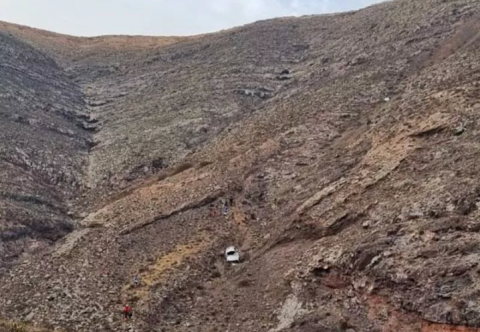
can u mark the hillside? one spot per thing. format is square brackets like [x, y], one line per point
[42, 148]
[346, 144]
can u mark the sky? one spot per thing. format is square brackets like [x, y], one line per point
[158, 17]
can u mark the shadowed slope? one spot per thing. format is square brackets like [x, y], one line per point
[42, 147]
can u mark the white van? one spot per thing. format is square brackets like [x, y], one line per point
[232, 255]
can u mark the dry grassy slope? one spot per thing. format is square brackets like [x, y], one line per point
[356, 213]
[69, 49]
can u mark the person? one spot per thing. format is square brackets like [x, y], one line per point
[136, 281]
[127, 312]
[213, 211]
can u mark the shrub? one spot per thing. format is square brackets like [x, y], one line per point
[13, 327]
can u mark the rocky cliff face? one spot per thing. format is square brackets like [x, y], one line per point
[346, 146]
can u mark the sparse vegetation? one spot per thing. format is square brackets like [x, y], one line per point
[14, 327]
[331, 141]
[18, 327]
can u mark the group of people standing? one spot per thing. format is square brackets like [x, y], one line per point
[127, 310]
[225, 205]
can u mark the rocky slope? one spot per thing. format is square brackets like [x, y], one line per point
[346, 143]
[43, 146]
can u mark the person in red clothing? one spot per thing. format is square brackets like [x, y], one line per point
[127, 312]
[213, 211]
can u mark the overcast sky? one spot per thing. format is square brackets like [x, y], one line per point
[158, 17]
